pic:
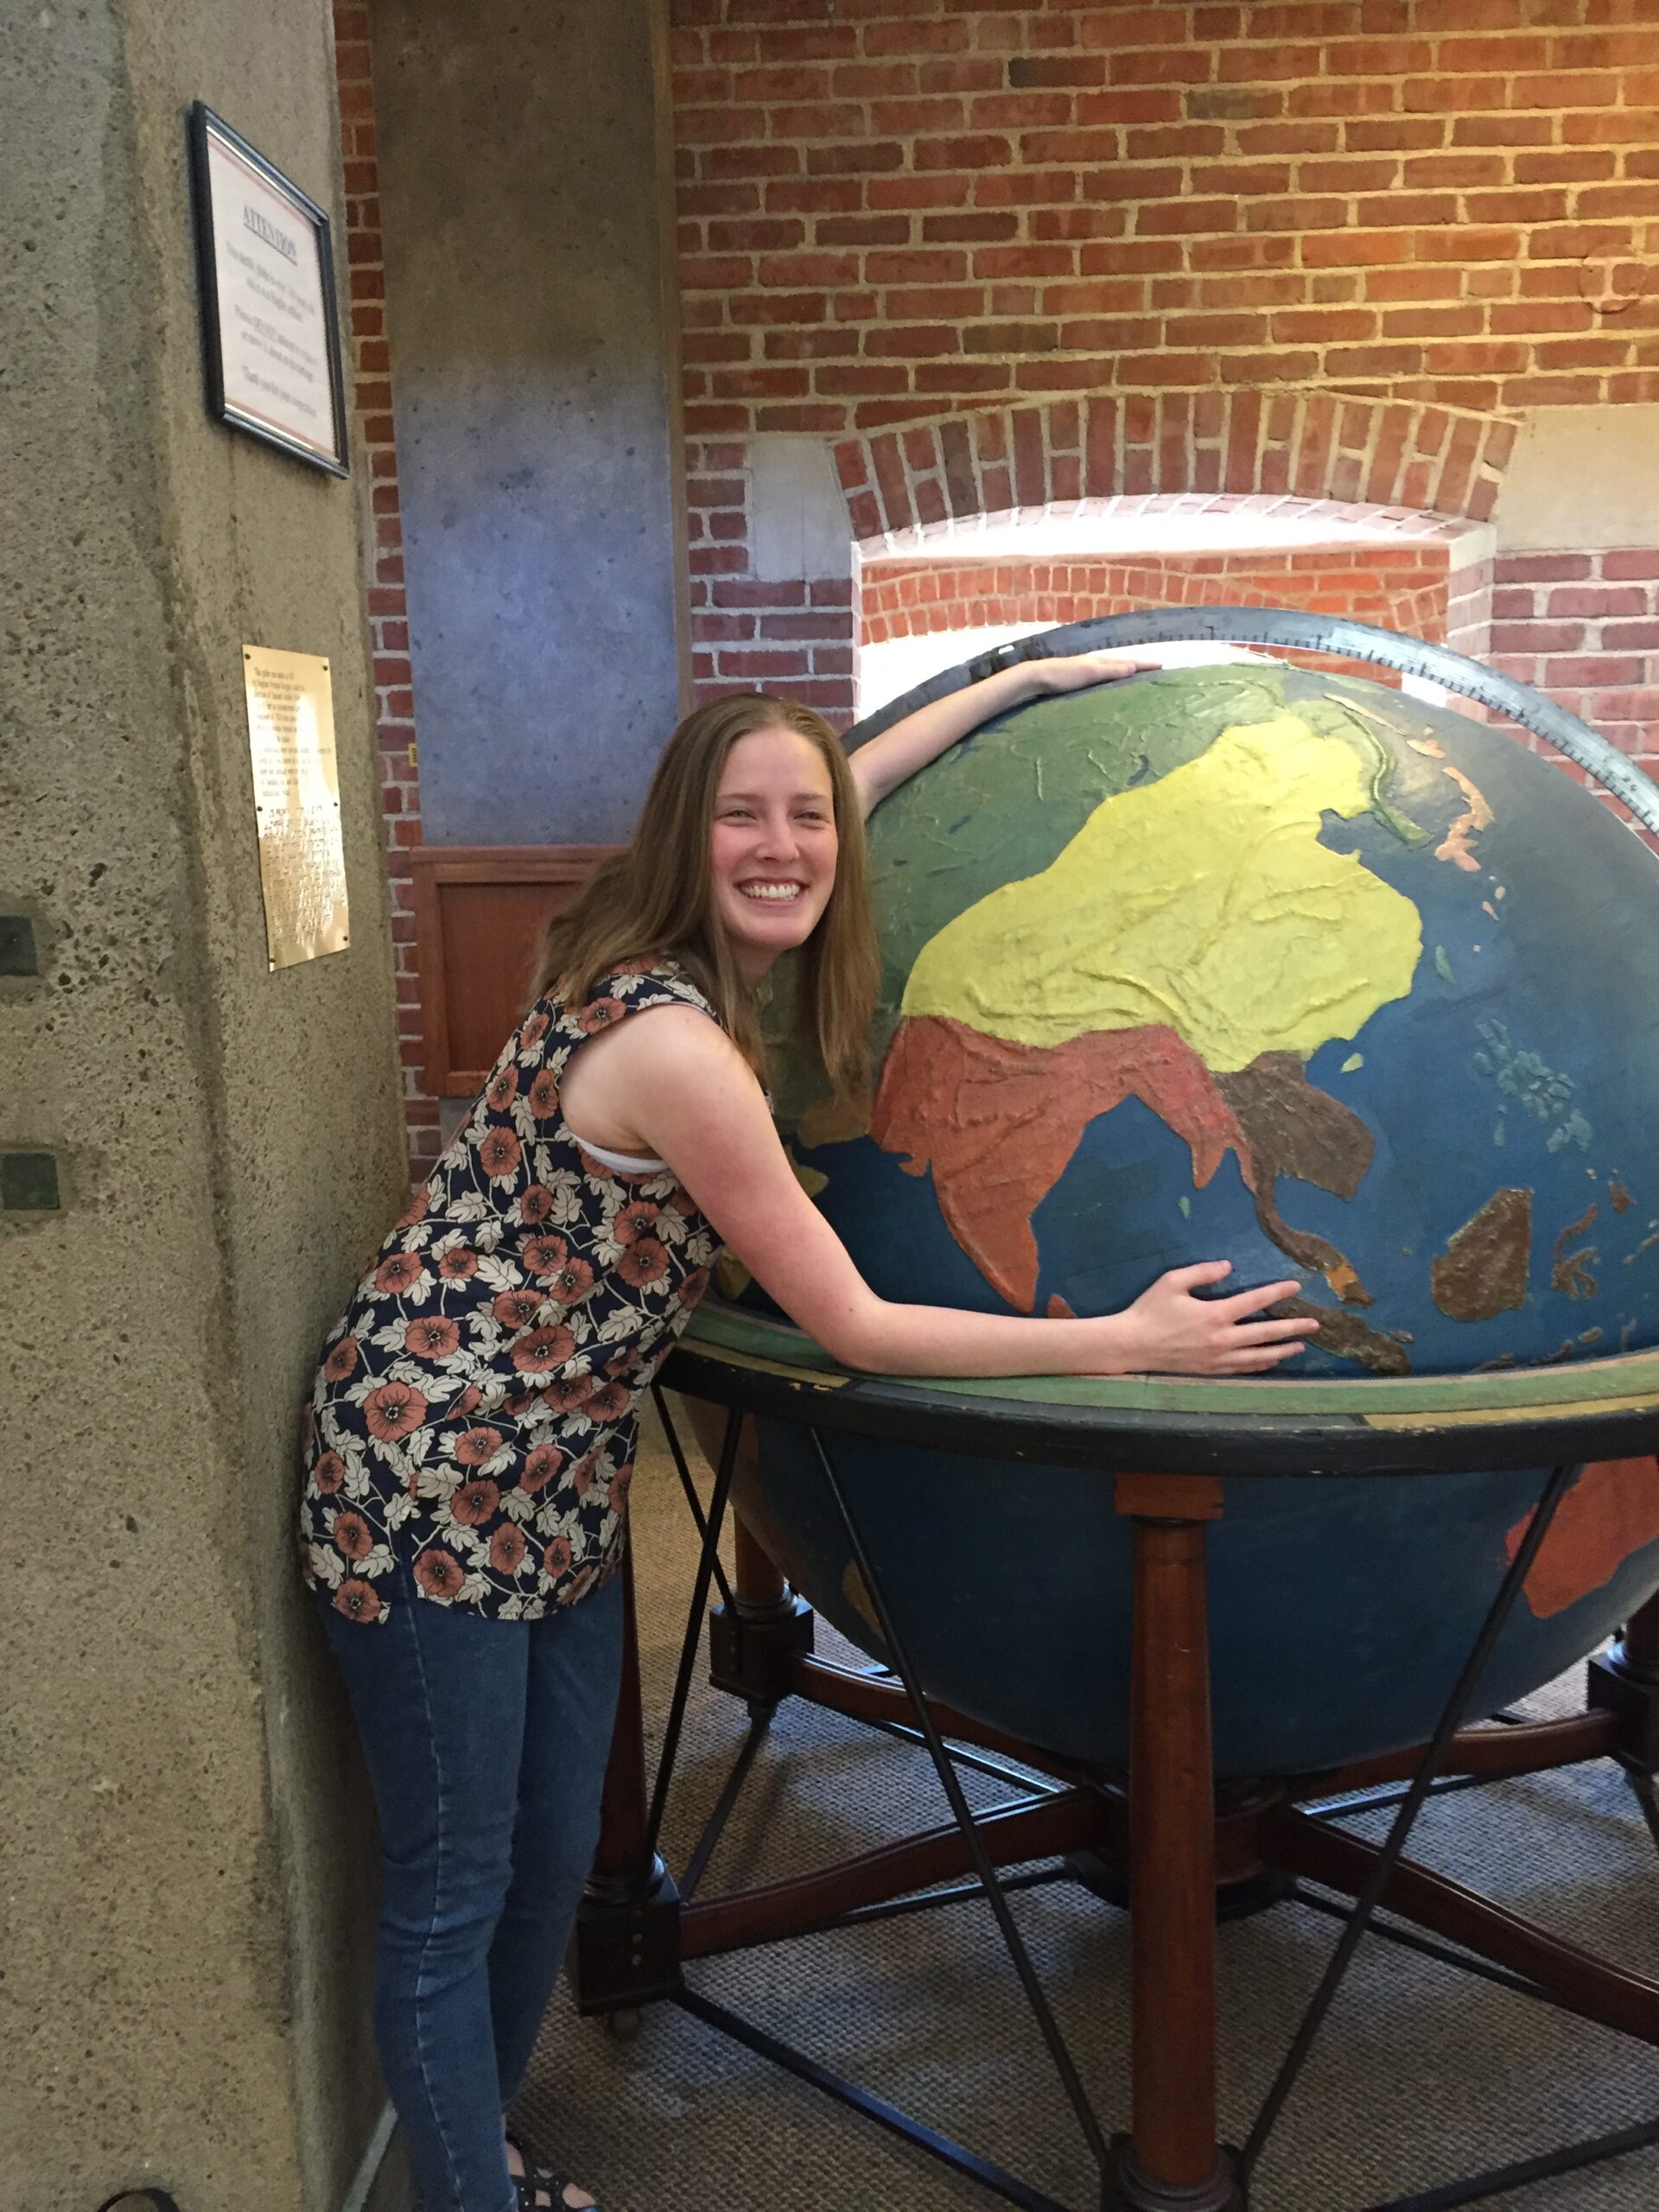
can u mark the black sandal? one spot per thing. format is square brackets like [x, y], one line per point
[539, 2188]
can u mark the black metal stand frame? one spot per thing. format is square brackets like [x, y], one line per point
[994, 1889]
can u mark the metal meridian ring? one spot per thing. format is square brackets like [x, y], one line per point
[1321, 633]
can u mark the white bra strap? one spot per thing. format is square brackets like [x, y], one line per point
[626, 1163]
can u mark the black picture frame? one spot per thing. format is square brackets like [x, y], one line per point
[281, 336]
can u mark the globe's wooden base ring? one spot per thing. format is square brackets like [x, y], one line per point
[1426, 1424]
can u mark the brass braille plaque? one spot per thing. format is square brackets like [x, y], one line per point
[296, 802]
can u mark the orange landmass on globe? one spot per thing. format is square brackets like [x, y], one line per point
[1610, 1511]
[997, 1122]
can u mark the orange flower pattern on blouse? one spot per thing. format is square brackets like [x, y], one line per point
[475, 1410]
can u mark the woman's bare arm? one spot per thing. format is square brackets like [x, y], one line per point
[697, 1104]
[883, 762]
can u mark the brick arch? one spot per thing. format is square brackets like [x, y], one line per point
[1393, 453]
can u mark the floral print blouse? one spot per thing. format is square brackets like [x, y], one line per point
[475, 1412]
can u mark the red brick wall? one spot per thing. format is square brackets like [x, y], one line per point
[1403, 589]
[793, 637]
[897, 208]
[1469, 610]
[1584, 627]
[375, 457]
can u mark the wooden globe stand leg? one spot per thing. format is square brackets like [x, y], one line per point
[759, 1581]
[760, 1635]
[758, 1640]
[1640, 1642]
[1171, 2158]
[627, 1947]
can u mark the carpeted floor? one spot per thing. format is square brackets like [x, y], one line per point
[1422, 2073]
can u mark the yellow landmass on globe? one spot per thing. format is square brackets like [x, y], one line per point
[1203, 902]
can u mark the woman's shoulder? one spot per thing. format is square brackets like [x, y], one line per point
[556, 1024]
[635, 985]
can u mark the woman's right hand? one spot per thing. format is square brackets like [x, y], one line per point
[691, 1097]
[1168, 1331]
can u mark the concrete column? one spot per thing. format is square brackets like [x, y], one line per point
[189, 1854]
[529, 257]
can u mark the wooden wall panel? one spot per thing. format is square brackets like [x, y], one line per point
[479, 910]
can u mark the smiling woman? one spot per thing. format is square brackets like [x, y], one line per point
[750, 844]
[773, 845]
[470, 1437]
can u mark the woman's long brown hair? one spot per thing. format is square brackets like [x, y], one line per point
[657, 897]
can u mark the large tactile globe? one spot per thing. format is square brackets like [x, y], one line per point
[1291, 970]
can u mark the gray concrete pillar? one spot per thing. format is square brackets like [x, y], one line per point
[188, 1852]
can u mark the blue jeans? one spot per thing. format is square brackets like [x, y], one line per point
[486, 1744]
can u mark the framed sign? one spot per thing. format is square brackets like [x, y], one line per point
[270, 335]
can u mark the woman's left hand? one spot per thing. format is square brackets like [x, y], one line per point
[904, 746]
[1076, 671]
